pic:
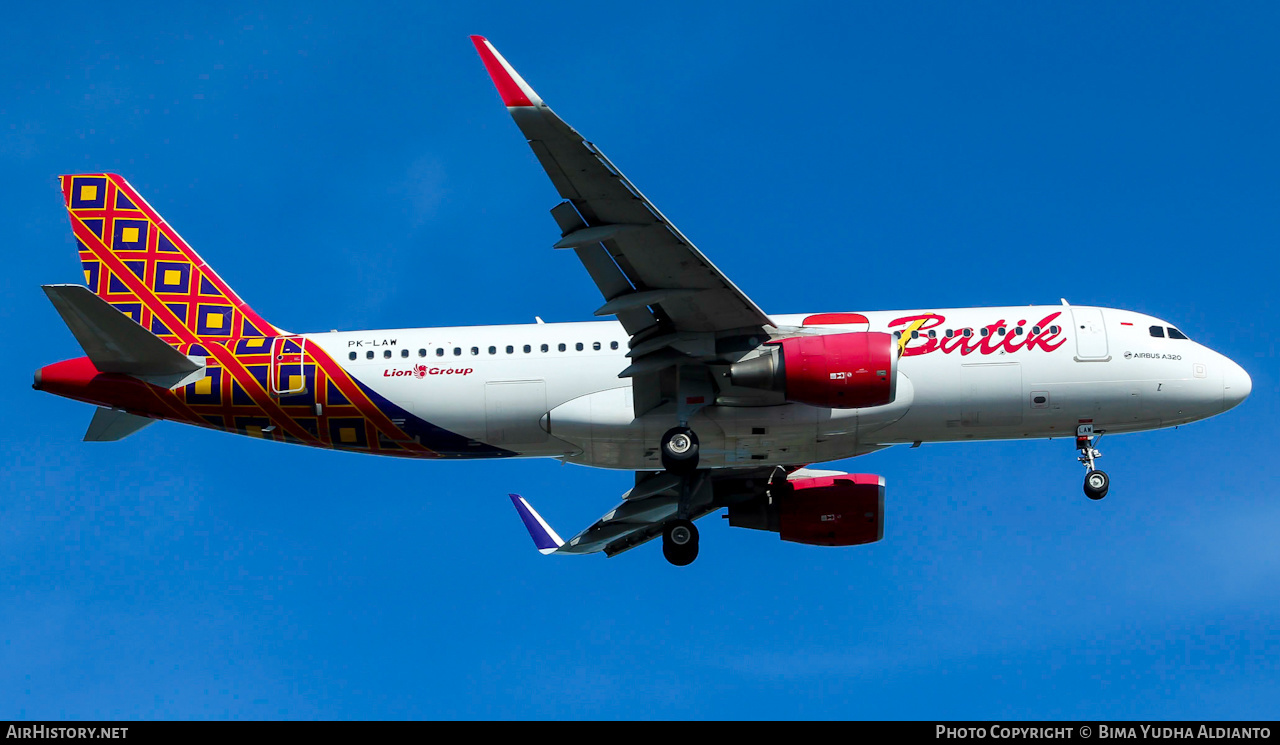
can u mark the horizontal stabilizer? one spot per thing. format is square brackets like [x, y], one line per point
[109, 425]
[115, 343]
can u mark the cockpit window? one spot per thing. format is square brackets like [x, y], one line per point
[1176, 334]
[1157, 331]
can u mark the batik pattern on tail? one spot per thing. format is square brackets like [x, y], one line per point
[259, 380]
[136, 262]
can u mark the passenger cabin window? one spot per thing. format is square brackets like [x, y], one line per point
[1054, 329]
[493, 350]
[351, 356]
[968, 333]
[578, 346]
[560, 347]
[1157, 331]
[613, 345]
[545, 348]
[986, 332]
[510, 349]
[1176, 334]
[368, 355]
[457, 351]
[386, 355]
[422, 353]
[1035, 329]
[527, 349]
[596, 346]
[404, 352]
[439, 351]
[475, 350]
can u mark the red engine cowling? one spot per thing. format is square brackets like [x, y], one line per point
[845, 510]
[834, 510]
[837, 371]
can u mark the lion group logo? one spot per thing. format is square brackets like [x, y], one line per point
[422, 371]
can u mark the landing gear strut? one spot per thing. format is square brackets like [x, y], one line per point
[1096, 483]
[679, 536]
[679, 450]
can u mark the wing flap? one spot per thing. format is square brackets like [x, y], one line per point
[647, 532]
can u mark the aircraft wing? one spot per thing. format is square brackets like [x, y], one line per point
[640, 516]
[669, 297]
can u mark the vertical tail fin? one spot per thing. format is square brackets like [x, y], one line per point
[140, 265]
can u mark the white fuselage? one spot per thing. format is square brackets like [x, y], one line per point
[552, 390]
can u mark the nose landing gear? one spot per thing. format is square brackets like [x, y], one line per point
[1096, 483]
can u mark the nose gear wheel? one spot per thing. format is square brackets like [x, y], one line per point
[1096, 482]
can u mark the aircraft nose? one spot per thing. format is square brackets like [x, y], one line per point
[1236, 385]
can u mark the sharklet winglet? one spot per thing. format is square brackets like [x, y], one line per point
[544, 537]
[514, 90]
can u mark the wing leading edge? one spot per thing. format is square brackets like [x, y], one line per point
[668, 296]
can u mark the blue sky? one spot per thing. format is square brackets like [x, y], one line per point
[351, 167]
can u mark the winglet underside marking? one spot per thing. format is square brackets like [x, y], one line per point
[544, 537]
[512, 88]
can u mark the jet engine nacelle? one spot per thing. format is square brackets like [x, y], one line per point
[845, 510]
[836, 371]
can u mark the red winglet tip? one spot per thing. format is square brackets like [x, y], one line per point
[504, 79]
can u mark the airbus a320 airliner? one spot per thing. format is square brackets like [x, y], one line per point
[709, 400]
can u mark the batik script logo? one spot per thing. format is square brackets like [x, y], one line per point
[999, 337]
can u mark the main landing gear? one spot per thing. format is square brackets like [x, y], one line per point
[679, 449]
[1096, 483]
[680, 541]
